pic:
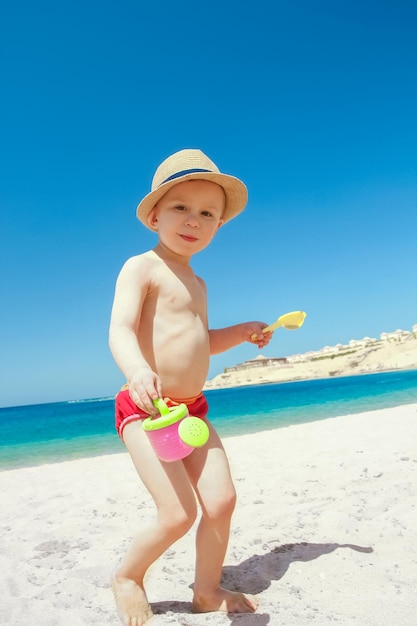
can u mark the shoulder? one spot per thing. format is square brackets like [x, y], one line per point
[138, 269]
[140, 262]
[202, 283]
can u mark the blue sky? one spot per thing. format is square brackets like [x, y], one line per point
[312, 104]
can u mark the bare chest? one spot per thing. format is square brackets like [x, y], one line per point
[179, 294]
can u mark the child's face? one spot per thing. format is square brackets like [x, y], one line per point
[188, 216]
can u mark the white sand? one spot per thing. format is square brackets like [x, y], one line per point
[324, 531]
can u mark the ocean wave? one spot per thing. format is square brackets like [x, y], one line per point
[87, 400]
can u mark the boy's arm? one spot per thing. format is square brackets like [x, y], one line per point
[222, 339]
[131, 289]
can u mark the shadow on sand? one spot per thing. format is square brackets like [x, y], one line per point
[255, 575]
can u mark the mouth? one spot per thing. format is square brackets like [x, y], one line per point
[189, 238]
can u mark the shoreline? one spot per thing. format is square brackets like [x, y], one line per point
[348, 396]
[318, 378]
[326, 517]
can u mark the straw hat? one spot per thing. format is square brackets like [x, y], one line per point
[189, 165]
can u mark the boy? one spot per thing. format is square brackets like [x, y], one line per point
[160, 339]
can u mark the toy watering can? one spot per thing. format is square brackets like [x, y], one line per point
[174, 433]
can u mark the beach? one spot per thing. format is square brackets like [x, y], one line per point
[324, 531]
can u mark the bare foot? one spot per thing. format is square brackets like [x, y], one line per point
[131, 601]
[225, 601]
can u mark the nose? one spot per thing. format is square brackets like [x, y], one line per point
[192, 220]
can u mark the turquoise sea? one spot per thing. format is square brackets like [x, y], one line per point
[45, 433]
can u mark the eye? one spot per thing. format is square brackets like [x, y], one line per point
[180, 207]
[207, 214]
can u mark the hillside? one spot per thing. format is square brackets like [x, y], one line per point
[375, 356]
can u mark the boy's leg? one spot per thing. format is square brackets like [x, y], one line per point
[176, 506]
[209, 472]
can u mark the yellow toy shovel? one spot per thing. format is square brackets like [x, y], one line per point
[290, 321]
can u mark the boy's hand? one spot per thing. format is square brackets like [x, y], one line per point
[254, 329]
[144, 387]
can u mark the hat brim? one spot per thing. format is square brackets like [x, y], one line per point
[236, 194]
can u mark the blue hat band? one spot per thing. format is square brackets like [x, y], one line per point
[183, 173]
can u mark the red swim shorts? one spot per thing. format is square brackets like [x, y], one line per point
[127, 411]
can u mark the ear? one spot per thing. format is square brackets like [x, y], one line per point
[153, 219]
[221, 222]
